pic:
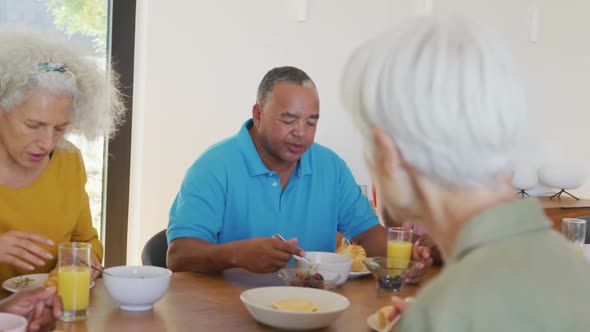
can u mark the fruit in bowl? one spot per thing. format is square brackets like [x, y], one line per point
[329, 261]
[308, 279]
[388, 277]
[311, 277]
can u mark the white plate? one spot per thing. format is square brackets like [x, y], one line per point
[354, 275]
[373, 322]
[36, 280]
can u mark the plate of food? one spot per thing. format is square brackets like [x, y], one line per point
[28, 281]
[294, 308]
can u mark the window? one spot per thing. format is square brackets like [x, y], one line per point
[86, 23]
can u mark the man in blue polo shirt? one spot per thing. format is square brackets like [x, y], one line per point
[270, 178]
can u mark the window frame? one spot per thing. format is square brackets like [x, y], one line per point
[116, 217]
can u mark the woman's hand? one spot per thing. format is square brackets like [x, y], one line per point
[20, 249]
[399, 306]
[426, 240]
[421, 262]
[40, 306]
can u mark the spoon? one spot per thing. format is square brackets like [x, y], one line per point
[94, 267]
[278, 236]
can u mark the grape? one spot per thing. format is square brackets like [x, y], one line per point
[306, 279]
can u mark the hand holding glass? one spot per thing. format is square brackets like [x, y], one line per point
[74, 279]
[399, 247]
[575, 231]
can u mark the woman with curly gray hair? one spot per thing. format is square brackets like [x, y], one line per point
[442, 111]
[47, 89]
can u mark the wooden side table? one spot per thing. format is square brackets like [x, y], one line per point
[564, 207]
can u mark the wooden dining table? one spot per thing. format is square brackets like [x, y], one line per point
[200, 302]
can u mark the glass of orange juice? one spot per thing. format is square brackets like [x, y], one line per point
[74, 279]
[575, 231]
[399, 247]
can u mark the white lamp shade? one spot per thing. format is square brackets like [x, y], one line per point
[525, 178]
[562, 175]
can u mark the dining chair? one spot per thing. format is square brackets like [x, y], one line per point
[154, 251]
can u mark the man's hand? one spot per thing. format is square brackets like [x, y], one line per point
[421, 262]
[40, 306]
[265, 255]
[19, 249]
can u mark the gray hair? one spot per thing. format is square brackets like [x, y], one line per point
[286, 74]
[447, 92]
[29, 61]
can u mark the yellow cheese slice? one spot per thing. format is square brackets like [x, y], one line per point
[295, 305]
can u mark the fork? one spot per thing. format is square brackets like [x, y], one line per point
[278, 236]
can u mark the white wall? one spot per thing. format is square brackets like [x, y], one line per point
[198, 64]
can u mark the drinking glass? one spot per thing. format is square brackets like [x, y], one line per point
[575, 231]
[74, 279]
[399, 247]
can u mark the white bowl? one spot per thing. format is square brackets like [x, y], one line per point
[258, 301]
[562, 175]
[137, 288]
[330, 261]
[12, 323]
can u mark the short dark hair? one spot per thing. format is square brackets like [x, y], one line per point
[286, 74]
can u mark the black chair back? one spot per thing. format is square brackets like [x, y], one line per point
[154, 251]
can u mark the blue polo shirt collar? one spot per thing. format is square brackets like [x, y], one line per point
[253, 162]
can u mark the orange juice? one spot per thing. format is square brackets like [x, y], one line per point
[399, 254]
[73, 287]
[580, 250]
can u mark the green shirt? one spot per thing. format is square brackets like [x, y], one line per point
[510, 272]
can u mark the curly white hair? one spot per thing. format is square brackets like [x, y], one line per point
[449, 94]
[30, 60]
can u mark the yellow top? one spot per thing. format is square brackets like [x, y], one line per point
[55, 205]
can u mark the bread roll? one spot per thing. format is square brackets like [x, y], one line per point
[382, 314]
[357, 253]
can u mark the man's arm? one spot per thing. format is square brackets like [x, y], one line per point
[190, 254]
[373, 240]
[260, 255]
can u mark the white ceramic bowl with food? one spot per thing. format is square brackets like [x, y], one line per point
[259, 302]
[12, 323]
[137, 288]
[330, 261]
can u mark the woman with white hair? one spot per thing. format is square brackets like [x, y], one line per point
[47, 89]
[442, 111]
